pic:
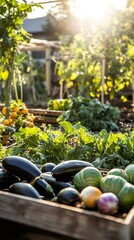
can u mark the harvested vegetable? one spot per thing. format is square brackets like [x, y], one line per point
[68, 196]
[88, 176]
[108, 203]
[130, 172]
[126, 197]
[90, 196]
[111, 183]
[119, 172]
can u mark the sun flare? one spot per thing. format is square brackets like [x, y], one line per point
[95, 9]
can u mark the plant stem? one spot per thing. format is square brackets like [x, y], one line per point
[15, 86]
[8, 86]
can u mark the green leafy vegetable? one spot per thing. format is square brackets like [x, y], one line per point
[91, 113]
[49, 144]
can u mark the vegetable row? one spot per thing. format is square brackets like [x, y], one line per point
[103, 149]
[73, 182]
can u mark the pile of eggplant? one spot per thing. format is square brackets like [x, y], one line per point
[19, 175]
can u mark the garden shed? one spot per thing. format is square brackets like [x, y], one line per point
[42, 45]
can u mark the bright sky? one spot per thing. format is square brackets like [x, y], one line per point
[96, 9]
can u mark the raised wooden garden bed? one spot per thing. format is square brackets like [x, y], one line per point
[45, 116]
[68, 221]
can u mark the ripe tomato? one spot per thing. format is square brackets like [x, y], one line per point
[6, 122]
[13, 114]
[24, 111]
[4, 111]
[11, 120]
[16, 109]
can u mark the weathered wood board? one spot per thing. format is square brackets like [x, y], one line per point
[44, 112]
[65, 220]
[45, 116]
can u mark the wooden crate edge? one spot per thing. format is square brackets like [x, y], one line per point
[62, 219]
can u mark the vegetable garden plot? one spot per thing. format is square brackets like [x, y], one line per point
[47, 214]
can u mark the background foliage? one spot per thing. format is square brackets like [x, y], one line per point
[80, 65]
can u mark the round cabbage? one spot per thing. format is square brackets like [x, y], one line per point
[111, 183]
[126, 197]
[130, 172]
[88, 176]
[119, 172]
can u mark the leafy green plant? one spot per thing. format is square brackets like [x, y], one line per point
[47, 144]
[27, 143]
[59, 104]
[4, 151]
[91, 113]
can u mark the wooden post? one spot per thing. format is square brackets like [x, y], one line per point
[31, 76]
[61, 90]
[103, 79]
[48, 70]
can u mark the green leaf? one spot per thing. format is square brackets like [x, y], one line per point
[67, 126]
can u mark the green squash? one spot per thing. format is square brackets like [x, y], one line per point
[88, 176]
[126, 197]
[130, 172]
[111, 183]
[119, 172]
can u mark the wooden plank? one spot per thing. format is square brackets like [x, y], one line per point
[43, 119]
[44, 112]
[62, 219]
[45, 116]
[130, 221]
[18, 231]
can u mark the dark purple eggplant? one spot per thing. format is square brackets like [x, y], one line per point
[21, 167]
[67, 169]
[6, 179]
[56, 185]
[47, 167]
[25, 189]
[69, 196]
[43, 187]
